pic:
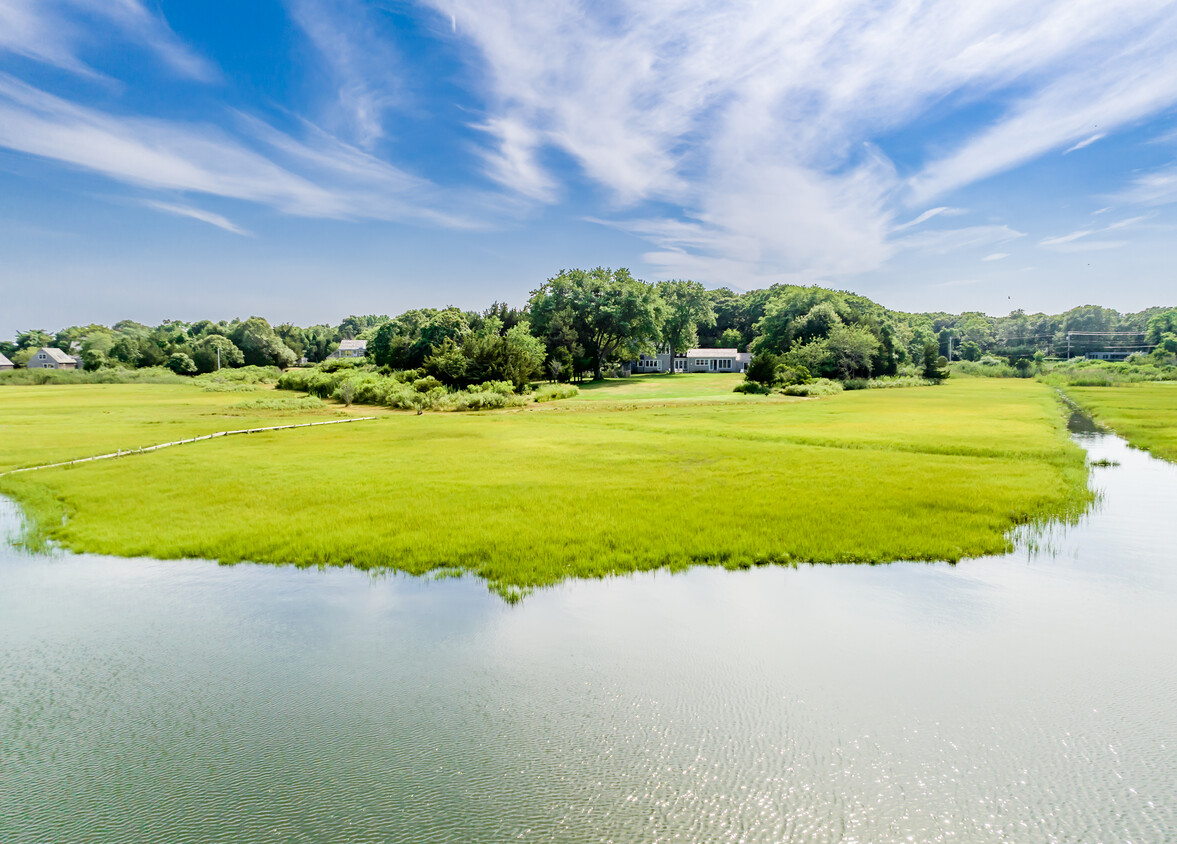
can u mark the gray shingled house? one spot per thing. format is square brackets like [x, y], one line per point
[695, 360]
[50, 358]
[350, 349]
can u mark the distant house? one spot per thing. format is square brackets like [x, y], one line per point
[350, 349]
[50, 358]
[5, 363]
[695, 360]
[1119, 355]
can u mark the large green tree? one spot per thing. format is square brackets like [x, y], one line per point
[215, 350]
[612, 312]
[260, 346]
[687, 308]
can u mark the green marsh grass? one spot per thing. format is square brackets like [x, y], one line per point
[1143, 413]
[525, 498]
[52, 422]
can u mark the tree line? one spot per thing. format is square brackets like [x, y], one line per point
[583, 322]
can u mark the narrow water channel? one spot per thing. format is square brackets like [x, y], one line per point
[1031, 697]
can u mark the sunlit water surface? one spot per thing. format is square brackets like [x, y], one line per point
[1023, 698]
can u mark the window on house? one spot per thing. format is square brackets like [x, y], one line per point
[725, 364]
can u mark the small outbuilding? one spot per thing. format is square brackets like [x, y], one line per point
[6, 364]
[50, 358]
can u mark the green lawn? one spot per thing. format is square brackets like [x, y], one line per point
[525, 498]
[1145, 413]
[700, 386]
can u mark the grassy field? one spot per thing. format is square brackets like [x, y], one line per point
[51, 423]
[648, 389]
[528, 497]
[1145, 414]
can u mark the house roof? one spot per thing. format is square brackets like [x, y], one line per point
[58, 355]
[5, 361]
[712, 353]
[345, 345]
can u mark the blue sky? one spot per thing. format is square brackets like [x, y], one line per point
[307, 159]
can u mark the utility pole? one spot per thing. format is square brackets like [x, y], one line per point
[218, 358]
[1068, 345]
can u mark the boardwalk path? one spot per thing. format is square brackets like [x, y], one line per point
[148, 448]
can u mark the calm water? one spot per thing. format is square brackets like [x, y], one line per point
[1025, 698]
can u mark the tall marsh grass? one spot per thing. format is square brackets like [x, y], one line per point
[525, 500]
[1143, 413]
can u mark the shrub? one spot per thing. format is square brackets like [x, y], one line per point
[555, 392]
[147, 375]
[753, 387]
[181, 364]
[820, 387]
[896, 381]
[405, 390]
[302, 403]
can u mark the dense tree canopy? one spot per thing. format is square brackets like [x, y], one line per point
[687, 308]
[583, 321]
[612, 313]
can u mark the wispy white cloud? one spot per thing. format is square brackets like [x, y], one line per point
[929, 214]
[1156, 188]
[996, 256]
[361, 66]
[318, 176]
[1118, 70]
[943, 241]
[756, 117]
[1077, 240]
[1087, 245]
[1086, 142]
[57, 31]
[200, 214]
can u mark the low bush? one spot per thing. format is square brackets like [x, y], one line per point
[303, 403]
[887, 382]
[404, 390]
[243, 379]
[753, 388]
[555, 392]
[147, 375]
[820, 387]
[1082, 372]
[987, 367]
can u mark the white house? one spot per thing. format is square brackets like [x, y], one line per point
[50, 358]
[695, 360]
[350, 349]
[5, 363]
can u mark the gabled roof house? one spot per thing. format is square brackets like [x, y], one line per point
[49, 358]
[350, 349]
[5, 363]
